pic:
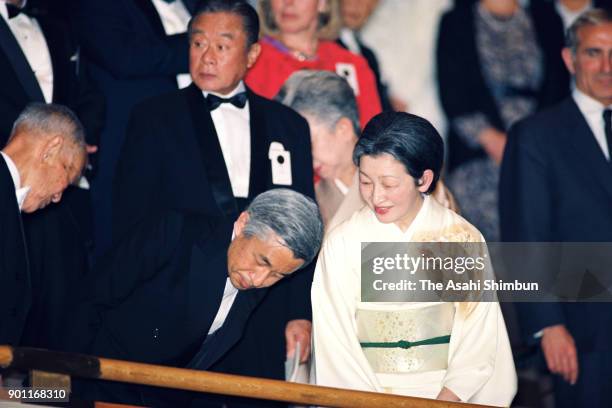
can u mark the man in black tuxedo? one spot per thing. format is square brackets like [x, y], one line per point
[45, 153]
[556, 186]
[178, 288]
[39, 62]
[210, 148]
[131, 58]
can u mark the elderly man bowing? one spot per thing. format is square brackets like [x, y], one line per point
[45, 153]
[211, 148]
[179, 288]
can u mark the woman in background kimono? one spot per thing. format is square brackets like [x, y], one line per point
[400, 157]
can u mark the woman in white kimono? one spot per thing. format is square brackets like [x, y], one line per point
[464, 353]
[328, 103]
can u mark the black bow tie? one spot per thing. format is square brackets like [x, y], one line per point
[13, 11]
[239, 100]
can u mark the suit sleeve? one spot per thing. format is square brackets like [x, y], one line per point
[465, 98]
[454, 93]
[526, 209]
[137, 173]
[112, 40]
[299, 288]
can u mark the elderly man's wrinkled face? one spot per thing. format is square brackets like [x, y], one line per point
[355, 13]
[592, 63]
[218, 54]
[51, 177]
[255, 263]
[332, 149]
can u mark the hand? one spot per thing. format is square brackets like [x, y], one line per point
[560, 352]
[447, 395]
[298, 331]
[493, 142]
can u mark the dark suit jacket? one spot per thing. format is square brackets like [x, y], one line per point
[131, 59]
[556, 186]
[172, 159]
[15, 293]
[154, 296]
[462, 86]
[59, 237]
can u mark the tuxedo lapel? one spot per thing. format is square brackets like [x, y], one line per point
[13, 208]
[151, 14]
[212, 155]
[588, 153]
[20, 64]
[260, 172]
[221, 341]
[208, 273]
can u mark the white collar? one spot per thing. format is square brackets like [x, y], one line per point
[20, 192]
[13, 170]
[587, 104]
[239, 88]
[4, 11]
[341, 186]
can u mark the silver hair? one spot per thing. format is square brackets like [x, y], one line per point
[593, 17]
[292, 216]
[47, 119]
[322, 94]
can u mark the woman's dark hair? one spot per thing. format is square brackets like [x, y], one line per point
[410, 139]
[250, 19]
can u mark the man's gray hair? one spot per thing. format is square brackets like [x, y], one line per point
[322, 94]
[46, 119]
[593, 17]
[292, 216]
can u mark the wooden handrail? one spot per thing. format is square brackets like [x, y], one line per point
[205, 381]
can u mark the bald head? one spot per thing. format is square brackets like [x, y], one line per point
[47, 144]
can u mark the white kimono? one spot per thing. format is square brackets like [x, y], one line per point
[476, 364]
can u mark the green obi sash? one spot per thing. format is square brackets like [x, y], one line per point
[403, 344]
[424, 333]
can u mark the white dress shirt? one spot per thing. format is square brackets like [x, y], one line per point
[234, 132]
[32, 42]
[175, 18]
[229, 295]
[592, 111]
[20, 192]
[568, 16]
[350, 40]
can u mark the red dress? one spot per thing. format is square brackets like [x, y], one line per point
[276, 64]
